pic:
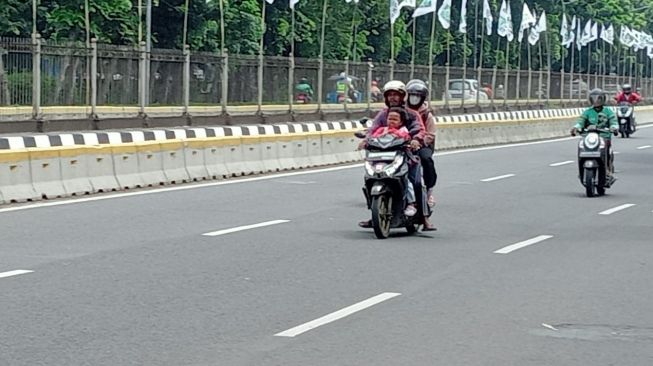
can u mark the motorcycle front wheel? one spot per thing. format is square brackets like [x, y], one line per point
[382, 215]
[588, 182]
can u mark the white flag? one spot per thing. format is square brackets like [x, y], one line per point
[540, 27]
[487, 15]
[649, 52]
[586, 34]
[355, 1]
[292, 4]
[564, 31]
[408, 3]
[426, 7]
[579, 36]
[462, 28]
[270, 1]
[594, 33]
[527, 20]
[444, 14]
[607, 34]
[505, 22]
[627, 38]
[394, 11]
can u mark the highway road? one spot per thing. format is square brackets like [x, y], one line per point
[273, 270]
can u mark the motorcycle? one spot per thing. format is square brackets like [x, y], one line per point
[387, 162]
[627, 125]
[302, 98]
[593, 162]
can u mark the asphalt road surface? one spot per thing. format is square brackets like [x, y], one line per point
[524, 270]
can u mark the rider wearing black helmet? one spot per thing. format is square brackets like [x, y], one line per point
[418, 93]
[600, 117]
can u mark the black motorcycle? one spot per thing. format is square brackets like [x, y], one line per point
[386, 175]
[593, 157]
[627, 125]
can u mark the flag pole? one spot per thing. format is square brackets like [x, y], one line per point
[462, 100]
[431, 59]
[260, 61]
[530, 74]
[291, 69]
[448, 70]
[475, 38]
[320, 73]
[392, 50]
[518, 84]
[505, 76]
[494, 71]
[604, 66]
[479, 70]
[589, 64]
[412, 57]
[548, 58]
[571, 71]
[540, 81]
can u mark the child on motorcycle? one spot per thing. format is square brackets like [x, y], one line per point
[396, 120]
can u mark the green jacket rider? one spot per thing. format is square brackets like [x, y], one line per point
[305, 87]
[597, 115]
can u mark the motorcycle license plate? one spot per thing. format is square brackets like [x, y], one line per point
[590, 154]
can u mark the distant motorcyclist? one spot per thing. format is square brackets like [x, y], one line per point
[377, 94]
[417, 94]
[394, 95]
[628, 95]
[304, 88]
[601, 117]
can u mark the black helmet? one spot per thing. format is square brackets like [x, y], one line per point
[597, 98]
[417, 93]
[627, 88]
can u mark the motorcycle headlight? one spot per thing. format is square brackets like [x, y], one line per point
[591, 141]
[390, 169]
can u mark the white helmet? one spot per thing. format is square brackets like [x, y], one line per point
[394, 85]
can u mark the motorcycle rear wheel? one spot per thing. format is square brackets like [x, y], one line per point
[382, 215]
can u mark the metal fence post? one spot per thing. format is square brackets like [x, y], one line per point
[93, 79]
[320, 82]
[186, 79]
[291, 82]
[261, 64]
[36, 77]
[225, 82]
[370, 67]
[142, 80]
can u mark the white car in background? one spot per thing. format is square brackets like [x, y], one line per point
[471, 89]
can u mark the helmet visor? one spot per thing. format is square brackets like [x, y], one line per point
[414, 99]
[597, 100]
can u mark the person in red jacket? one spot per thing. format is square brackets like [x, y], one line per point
[627, 95]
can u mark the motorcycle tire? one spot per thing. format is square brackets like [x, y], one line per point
[382, 215]
[588, 182]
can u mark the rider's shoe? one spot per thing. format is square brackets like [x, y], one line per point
[365, 224]
[410, 210]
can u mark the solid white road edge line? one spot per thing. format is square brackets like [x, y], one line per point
[497, 178]
[616, 209]
[292, 332]
[14, 273]
[644, 147]
[562, 163]
[525, 243]
[246, 227]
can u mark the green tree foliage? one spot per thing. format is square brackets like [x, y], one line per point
[117, 22]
